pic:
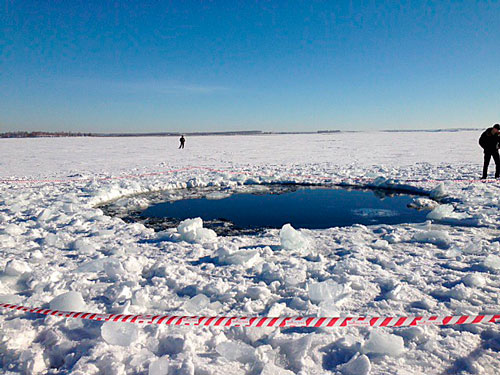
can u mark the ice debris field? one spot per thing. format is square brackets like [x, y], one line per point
[60, 252]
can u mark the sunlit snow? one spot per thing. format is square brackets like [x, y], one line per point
[60, 251]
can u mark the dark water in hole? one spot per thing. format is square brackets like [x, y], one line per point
[313, 208]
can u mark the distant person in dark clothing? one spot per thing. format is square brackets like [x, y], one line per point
[489, 142]
[182, 140]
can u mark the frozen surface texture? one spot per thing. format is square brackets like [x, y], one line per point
[58, 250]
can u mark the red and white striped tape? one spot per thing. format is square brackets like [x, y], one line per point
[223, 321]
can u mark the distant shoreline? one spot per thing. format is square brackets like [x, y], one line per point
[42, 134]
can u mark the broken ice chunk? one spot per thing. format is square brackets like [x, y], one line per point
[327, 290]
[16, 268]
[236, 351]
[197, 303]
[191, 230]
[70, 301]
[381, 342]
[439, 238]
[292, 239]
[122, 334]
[357, 365]
[492, 261]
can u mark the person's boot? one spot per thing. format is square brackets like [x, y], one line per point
[485, 173]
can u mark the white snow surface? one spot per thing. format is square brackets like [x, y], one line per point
[58, 249]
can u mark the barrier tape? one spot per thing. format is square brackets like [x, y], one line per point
[262, 322]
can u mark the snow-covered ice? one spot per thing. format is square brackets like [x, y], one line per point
[60, 251]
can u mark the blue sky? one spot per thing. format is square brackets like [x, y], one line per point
[147, 66]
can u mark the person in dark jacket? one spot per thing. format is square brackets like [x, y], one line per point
[489, 142]
[182, 140]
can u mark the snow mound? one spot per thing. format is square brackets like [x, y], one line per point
[297, 352]
[381, 244]
[357, 365]
[423, 204]
[96, 266]
[197, 303]
[191, 230]
[380, 181]
[236, 351]
[295, 275]
[229, 255]
[83, 246]
[114, 269]
[33, 361]
[272, 369]
[122, 334]
[474, 280]
[443, 211]
[438, 192]
[13, 230]
[492, 261]
[16, 268]
[381, 342]
[292, 239]
[258, 293]
[472, 248]
[70, 301]
[159, 367]
[437, 237]
[327, 290]
[11, 298]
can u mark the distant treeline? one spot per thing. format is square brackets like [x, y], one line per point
[177, 134]
[163, 134]
[39, 134]
[452, 130]
[43, 134]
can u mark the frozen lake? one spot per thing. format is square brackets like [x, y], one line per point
[60, 250]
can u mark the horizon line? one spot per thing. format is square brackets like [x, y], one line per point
[43, 134]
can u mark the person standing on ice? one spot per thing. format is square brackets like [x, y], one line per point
[182, 140]
[489, 142]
